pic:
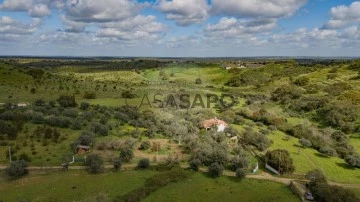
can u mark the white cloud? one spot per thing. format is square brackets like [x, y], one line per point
[11, 29]
[16, 5]
[138, 28]
[73, 26]
[34, 8]
[341, 16]
[184, 12]
[235, 28]
[257, 8]
[101, 11]
[39, 10]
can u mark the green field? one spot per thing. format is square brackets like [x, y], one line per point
[334, 168]
[78, 185]
[202, 188]
[71, 186]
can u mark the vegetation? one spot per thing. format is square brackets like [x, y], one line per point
[95, 164]
[281, 160]
[297, 114]
[17, 169]
[322, 191]
[215, 170]
[143, 163]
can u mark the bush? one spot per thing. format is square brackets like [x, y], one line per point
[285, 94]
[89, 95]
[305, 142]
[67, 101]
[145, 145]
[302, 81]
[195, 164]
[100, 129]
[280, 159]
[322, 191]
[117, 165]
[316, 176]
[240, 173]
[39, 102]
[84, 105]
[72, 113]
[240, 161]
[215, 170]
[126, 154]
[353, 160]
[341, 115]
[17, 169]
[198, 81]
[143, 163]
[260, 141]
[328, 151]
[37, 118]
[95, 164]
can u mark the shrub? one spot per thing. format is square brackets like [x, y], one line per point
[39, 102]
[77, 124]
[322, 191]
[17, 169]
[328, 151]
[67, 101]
[143, 163]
[117, 164]
[145, 145]
[280, 159]
[195, 164]
[341, 115]
[353, 160]
[240, 173]
[240, 161]
[37, 118]
[316, 176]
[72, 113]
[89, 95]
[100, 129]
[84, 105]
[94, 163]
[260, 141]
[126, 154]
[305, 142]
[215, 170]
[286, 93]
[198, 81]
[302, 81]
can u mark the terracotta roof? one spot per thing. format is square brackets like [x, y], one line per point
[213, 122]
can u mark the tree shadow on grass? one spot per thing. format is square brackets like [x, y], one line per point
[322, 155]
[345, 166]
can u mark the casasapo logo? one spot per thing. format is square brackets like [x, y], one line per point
[184, 101]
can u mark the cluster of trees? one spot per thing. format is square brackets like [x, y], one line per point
[213, 151]
[322, 191]
[92, 65]
[327, 141]
[249, 78]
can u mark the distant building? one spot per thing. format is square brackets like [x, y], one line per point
[220, 124]
[82, 149]
[23, 104]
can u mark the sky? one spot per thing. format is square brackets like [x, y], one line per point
[180, 28]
